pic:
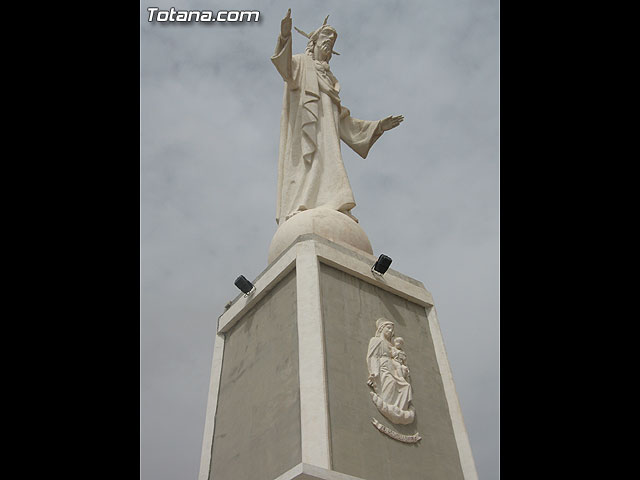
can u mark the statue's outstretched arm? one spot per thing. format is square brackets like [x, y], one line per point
[360, 135]
[282, 56]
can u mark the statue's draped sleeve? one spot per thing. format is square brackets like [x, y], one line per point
[282, 60]
[360, 135]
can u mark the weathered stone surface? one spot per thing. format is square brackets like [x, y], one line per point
[257, 429]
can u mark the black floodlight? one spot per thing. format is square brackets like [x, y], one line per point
[244, 285]
[381, 265]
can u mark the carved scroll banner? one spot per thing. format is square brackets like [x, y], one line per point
[393, 434]
[389, 379]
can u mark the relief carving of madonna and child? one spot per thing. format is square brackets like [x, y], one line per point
[389, 379]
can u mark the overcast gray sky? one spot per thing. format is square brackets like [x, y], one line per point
[427, 195]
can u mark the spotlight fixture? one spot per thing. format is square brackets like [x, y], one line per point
[381, 265]
[244, 285]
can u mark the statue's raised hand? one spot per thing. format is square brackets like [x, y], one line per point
[391, 122]
[285, 25]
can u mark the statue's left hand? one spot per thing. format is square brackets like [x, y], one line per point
[391, 122]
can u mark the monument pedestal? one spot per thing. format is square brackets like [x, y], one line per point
[288, 396]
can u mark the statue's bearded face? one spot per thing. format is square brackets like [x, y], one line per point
[326, 39]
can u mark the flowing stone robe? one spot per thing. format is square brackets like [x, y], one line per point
[311, 172]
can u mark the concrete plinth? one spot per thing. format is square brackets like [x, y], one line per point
[289, 397]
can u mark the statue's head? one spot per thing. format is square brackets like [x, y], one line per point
[321, 41]
[384, 328]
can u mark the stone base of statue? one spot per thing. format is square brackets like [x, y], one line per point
[324, 222]
[314, 372]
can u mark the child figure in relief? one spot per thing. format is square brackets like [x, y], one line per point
[400, 357]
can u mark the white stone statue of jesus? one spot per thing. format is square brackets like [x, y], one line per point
[311, 172]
